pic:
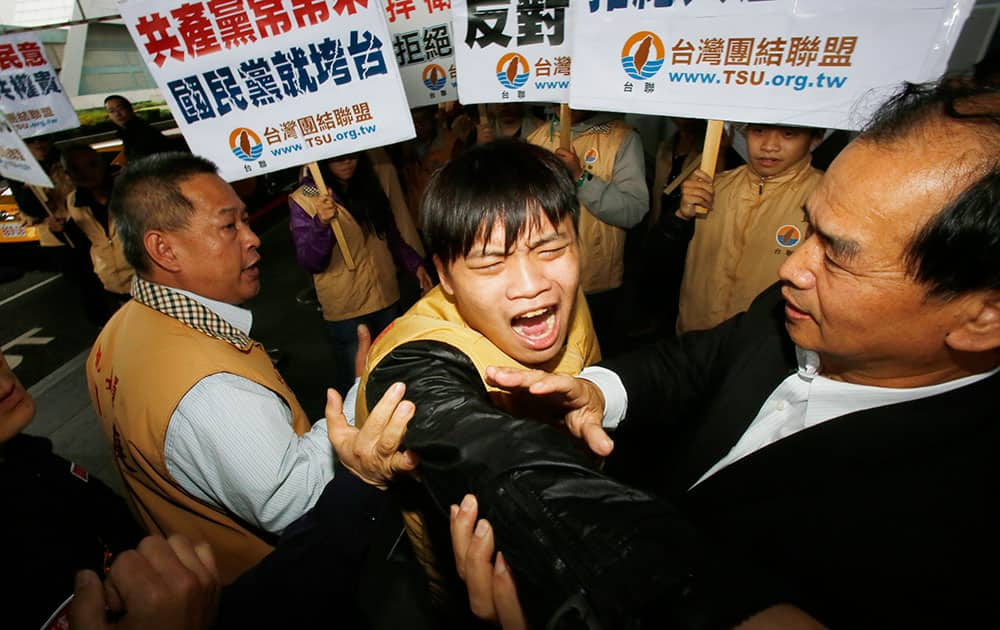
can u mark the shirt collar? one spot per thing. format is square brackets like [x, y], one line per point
[216, 319]
[809, 365]
[238, 317]
[793, 172]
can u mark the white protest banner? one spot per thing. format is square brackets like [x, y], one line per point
[263, 85]
[425, 52]
[800, 62]
[509, 50]
[31, 96]
[16, 160]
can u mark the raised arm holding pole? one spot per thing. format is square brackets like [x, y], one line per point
[335, 223]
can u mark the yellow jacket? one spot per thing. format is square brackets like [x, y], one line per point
[755, 224]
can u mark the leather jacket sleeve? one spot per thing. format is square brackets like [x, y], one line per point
[585, 550]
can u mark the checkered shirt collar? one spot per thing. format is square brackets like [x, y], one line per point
[188, 312]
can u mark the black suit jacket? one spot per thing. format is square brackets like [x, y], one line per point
[883, 518]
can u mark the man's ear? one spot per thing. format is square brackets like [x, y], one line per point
[161, 251]
[443, 276]
[979, 331]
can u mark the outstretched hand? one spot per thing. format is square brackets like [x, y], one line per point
[579, 400]
[492, 593]
[372, 452]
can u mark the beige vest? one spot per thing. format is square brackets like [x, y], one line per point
[739, 246]
[105, 248]
[139, 369]
[602, 245]
[435, 318]
[371, 286]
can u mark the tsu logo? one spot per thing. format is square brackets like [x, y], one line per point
[434, 77]
[512, 71]
[245, 144]
[788, 235]
[642, 55]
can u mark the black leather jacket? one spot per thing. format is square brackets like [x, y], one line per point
[584, 549]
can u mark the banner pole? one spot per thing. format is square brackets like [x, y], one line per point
[43, 198]
[565, 122]
[710, 154]
[335, 224]
[483, 116]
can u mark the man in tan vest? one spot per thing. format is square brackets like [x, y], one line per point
[87, 205]
[208, 437]
[607, 164]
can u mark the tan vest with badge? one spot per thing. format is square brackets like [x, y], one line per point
[739, 246]
[435, 318]
[371, 286]
[105, 248]
[135, 393]
[602, 245]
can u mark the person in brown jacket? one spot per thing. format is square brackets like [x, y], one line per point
[88, 209]
[754, 224]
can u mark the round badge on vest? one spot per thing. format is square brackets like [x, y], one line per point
[788, 235]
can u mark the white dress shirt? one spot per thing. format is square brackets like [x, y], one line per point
[230, 443]
[804, 399]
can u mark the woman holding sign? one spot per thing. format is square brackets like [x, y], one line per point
[350, 232]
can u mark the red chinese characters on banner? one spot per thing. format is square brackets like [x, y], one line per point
[159, 42]
[349, 6]
[24, 55]
[438, 5]
[233, 22]
[399, 8]
[308, 12]
[9, 57]
[31, 53]
[198, 28]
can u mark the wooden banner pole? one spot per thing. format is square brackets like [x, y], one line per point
[710, 153]
[43, 198]
[484, 118]
[335, 224]
[565, 123]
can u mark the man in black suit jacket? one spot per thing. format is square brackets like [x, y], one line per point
[835, 445]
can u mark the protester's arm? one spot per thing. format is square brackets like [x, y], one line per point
[665, 381]
[313, 238]
[624, 200]
[564, 526]
[230, 443]
[493, 595]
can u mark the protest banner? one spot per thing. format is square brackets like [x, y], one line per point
[800, 62]
[512, 51]
[16, 160]
[421, 37]
[262, 86]
[31, 96]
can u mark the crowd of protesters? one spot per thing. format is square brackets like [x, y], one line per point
[794, 378]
